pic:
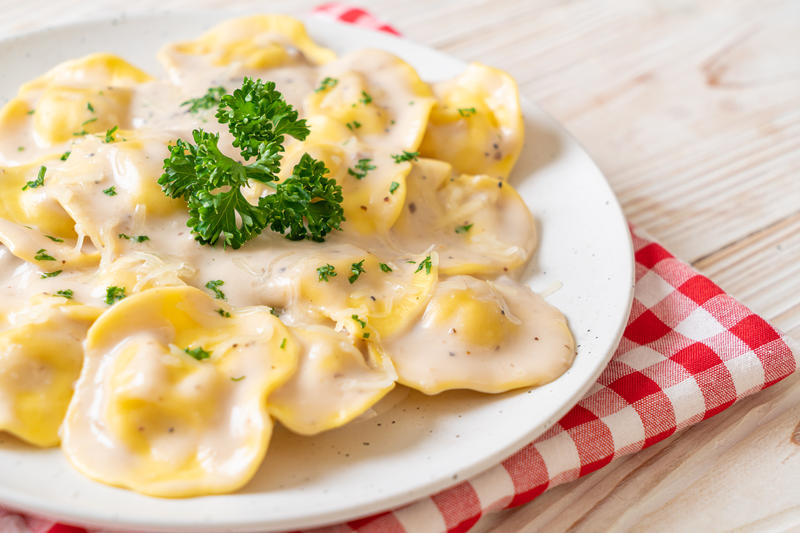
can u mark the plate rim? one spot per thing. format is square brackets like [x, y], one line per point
[58, 512]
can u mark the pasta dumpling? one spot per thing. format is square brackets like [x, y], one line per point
[367, 297]
[172, 400]
[476, 124]
[79, 97]
[41, 355]
[336, 381]
[479, 224]
[482, 335]
[377, 95]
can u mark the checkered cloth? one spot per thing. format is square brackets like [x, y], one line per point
[689, 351]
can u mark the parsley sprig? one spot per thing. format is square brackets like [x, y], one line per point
[307, 205]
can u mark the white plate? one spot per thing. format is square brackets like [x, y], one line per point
[421, 444]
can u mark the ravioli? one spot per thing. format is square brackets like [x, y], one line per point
[335, 382]
[476, 124]
[478, 224]
[483, 335]
[369, 298]
[149, 416]
[373, 184]
[36, 205]
[111, 189]
[377, 94]
[40, 359]
[79, 97]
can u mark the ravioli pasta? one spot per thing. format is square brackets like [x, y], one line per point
[160, 364]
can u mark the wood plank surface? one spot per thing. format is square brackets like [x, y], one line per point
[692, 109]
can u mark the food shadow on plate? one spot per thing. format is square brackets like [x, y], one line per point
[397, 424]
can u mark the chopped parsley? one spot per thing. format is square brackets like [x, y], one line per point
[53, 274]
[66, 293]
[240, 378]
[463, 229]
[223, 313]
[42, 255]
[393, 187]
[20, 148]
[90, 107]
[325, 84]
[31, 112]
[385, 267]
[361, 323]
[353, 125]
[38, 182]
[111, 191]
[89, 121]
[273, 312]
[365, 335]
[405, 156]
[283, 344]
[365, 98]
[207, 101]
[325, 272]
[356, 270]
[362, 167]
[198, 353]
[54, 239]
[111, 135]
[65, 155]
[466, 111]
[426, 264]
[80, 133]
[114, 294]
[137, 238]
[214, 286]
[306, 205]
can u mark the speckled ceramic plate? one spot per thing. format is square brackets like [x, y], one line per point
[413, 445]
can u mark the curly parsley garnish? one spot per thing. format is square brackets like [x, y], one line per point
[362, 167]
[356, 270]
[214, 286]
[307, 205]
[405, 156]
[38, 182]
[207, 101]
[325, 272]
[114, 294]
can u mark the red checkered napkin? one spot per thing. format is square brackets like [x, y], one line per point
[689, 351]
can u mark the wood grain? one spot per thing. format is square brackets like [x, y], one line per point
[692, 109]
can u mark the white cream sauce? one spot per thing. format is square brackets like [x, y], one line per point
[137, 238]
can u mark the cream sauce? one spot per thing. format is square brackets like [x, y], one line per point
[416, 225]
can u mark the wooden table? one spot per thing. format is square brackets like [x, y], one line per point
[692, 109]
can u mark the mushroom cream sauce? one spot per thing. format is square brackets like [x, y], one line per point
[158, 363]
